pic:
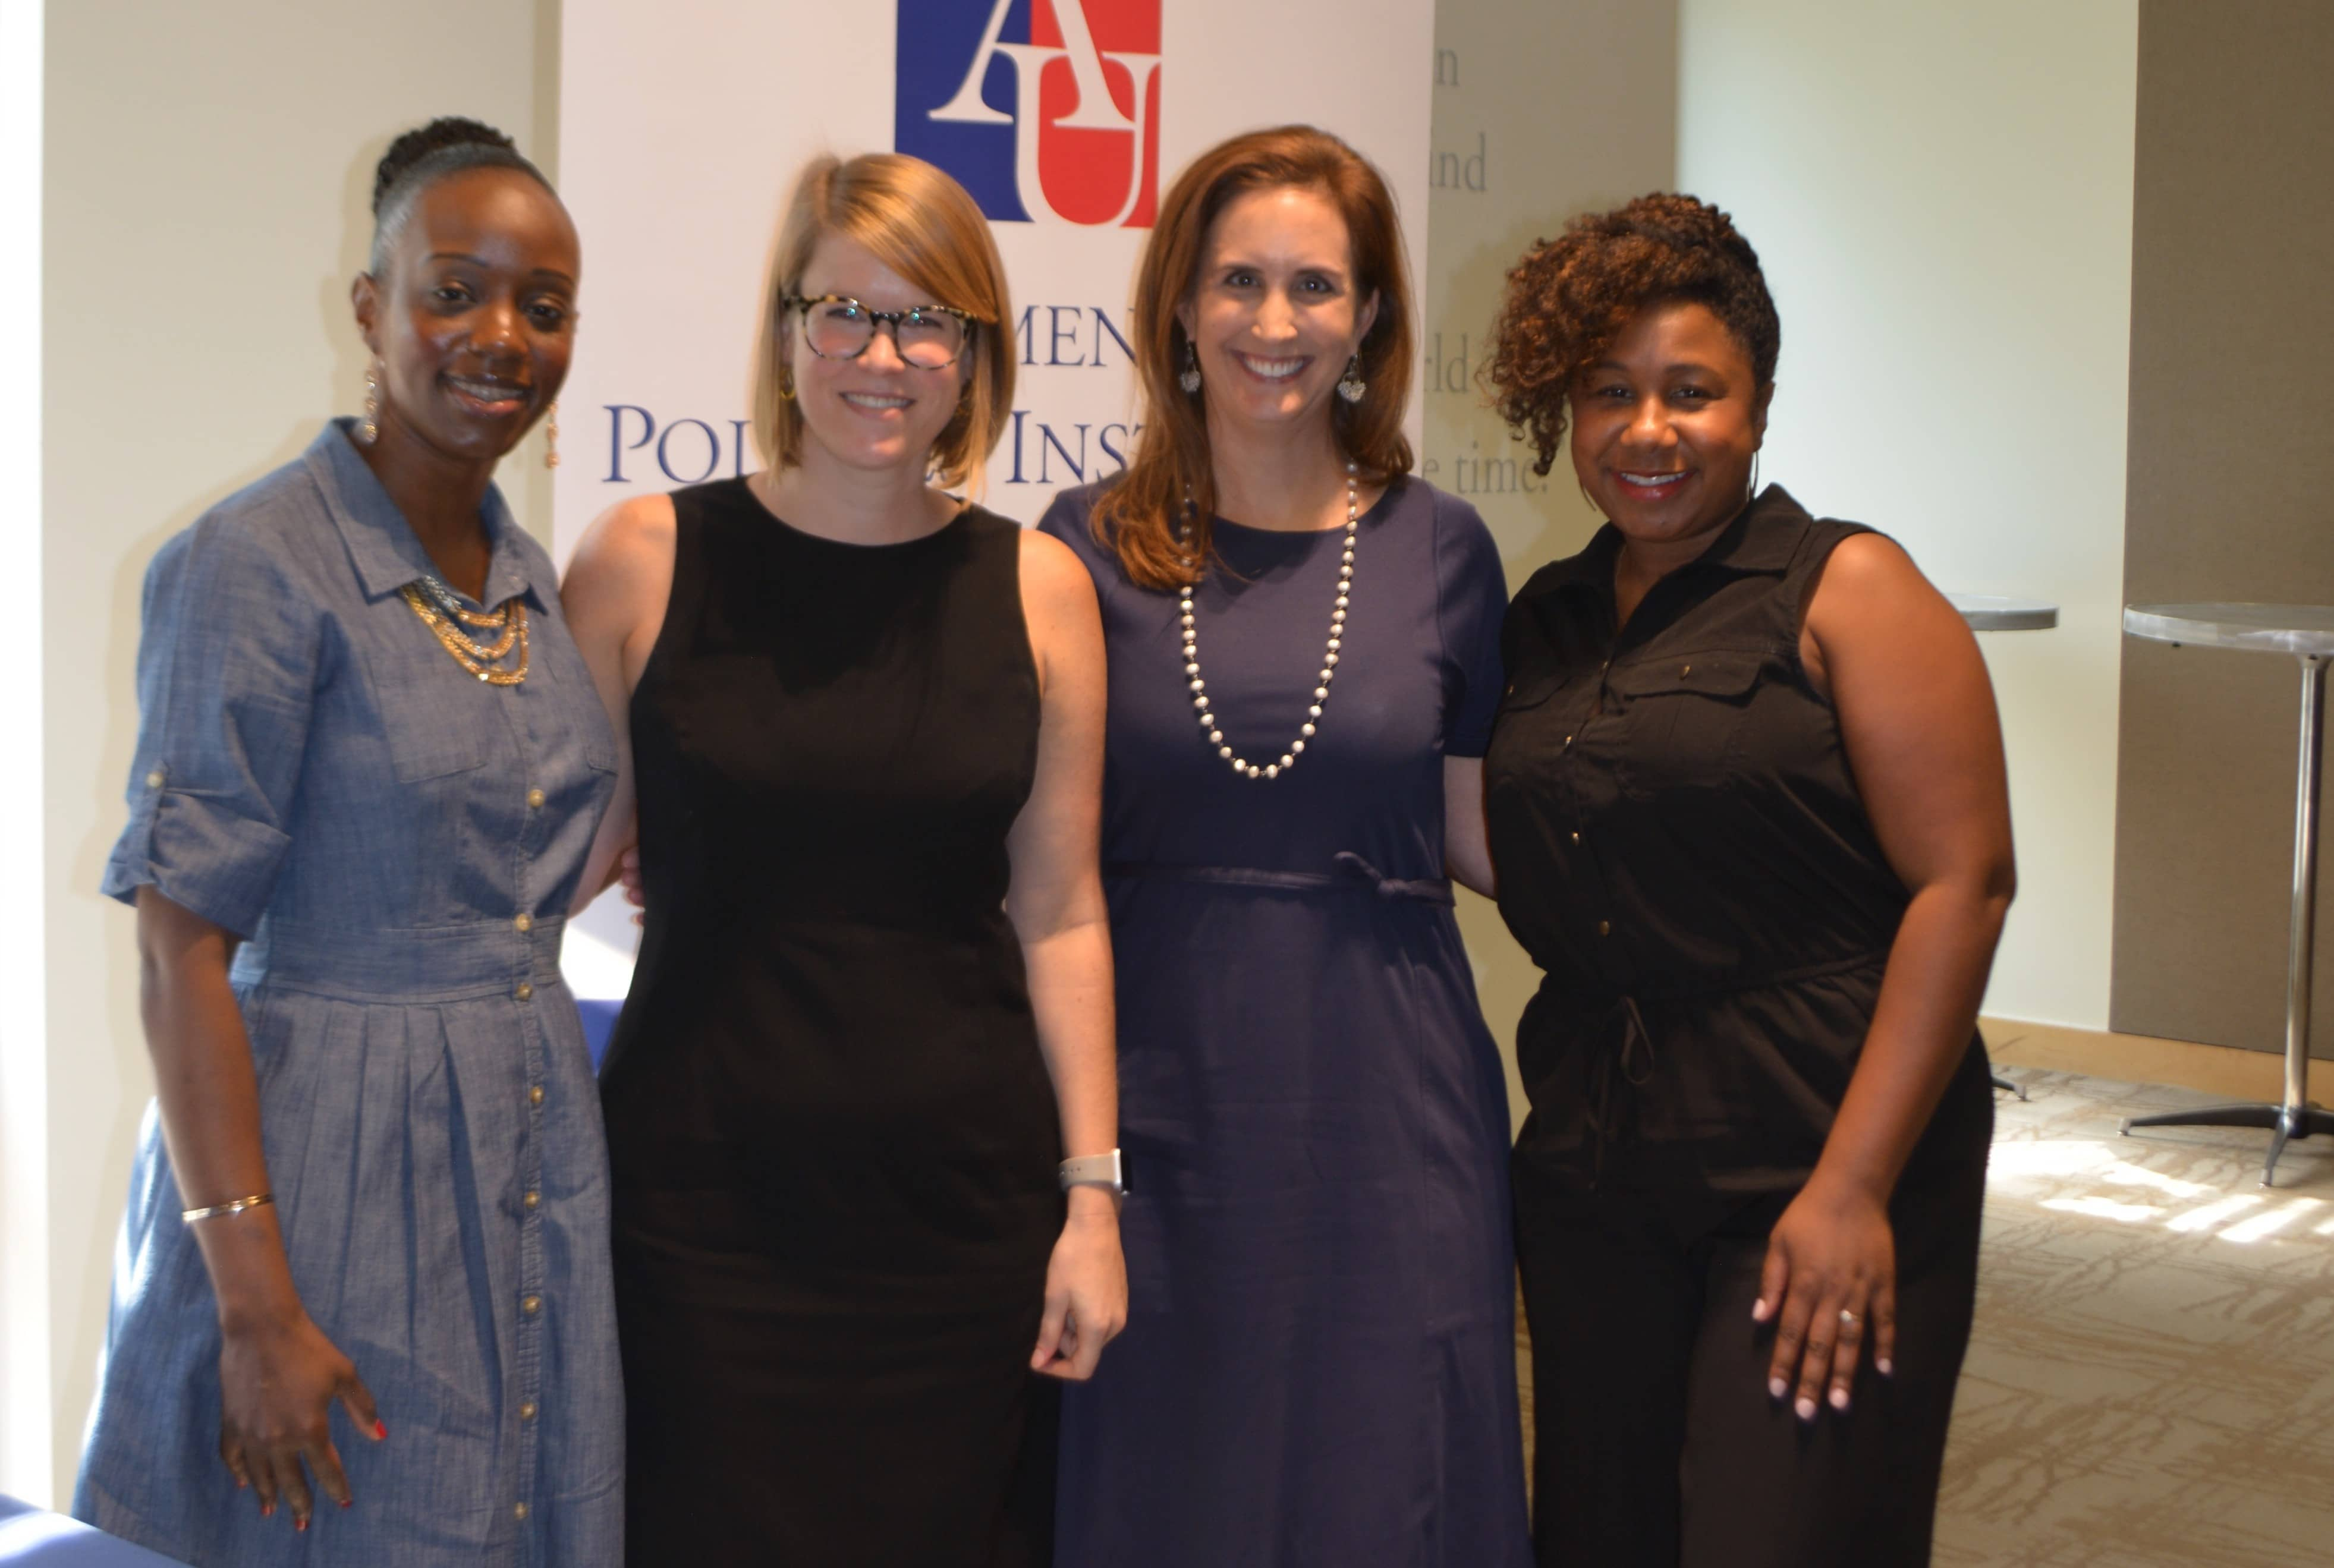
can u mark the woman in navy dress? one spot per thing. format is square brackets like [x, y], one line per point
[1319, 1363]
[370, 764]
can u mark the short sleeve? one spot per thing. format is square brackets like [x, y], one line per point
[1471, 604]
[226, 671]
[1066, 519]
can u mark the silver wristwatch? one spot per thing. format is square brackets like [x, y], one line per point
[1103, 1170]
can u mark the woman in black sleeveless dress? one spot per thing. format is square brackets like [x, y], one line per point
[871, 1011]
[1746, 804]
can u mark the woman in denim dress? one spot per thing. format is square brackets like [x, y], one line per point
[369, 767]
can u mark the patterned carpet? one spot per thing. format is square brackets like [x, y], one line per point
[2152, 1378]
[2151, 1384]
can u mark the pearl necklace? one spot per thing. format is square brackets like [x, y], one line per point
[1240, 765]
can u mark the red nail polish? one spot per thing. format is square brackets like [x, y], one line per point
[267, 1510]
[380, 1429]
[300, 1524]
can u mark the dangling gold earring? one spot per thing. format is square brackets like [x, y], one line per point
[786, 385]
[551, 436]
[367, 428]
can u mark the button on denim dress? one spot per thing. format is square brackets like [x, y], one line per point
[398, 841]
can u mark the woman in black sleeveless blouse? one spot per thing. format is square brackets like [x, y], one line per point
[871, 1013]
[1747, 807]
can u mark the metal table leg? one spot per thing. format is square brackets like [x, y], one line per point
[2296, 1117]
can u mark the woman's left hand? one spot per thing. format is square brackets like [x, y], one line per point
[1829, 1284]
[1085, 1289]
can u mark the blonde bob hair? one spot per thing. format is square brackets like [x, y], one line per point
[923, 226]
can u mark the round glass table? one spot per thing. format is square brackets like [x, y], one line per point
[2305, 632]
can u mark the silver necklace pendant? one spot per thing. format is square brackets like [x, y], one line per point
[1240, 765]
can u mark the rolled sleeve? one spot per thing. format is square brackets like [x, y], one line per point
[227, 670]
[1472, 603]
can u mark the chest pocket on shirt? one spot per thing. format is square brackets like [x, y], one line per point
[1682, 716]
[427, 708]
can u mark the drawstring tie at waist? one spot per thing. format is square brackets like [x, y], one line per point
[1634, 1059]
[1359, 876]
[1629, 1054]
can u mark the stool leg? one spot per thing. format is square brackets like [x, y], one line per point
[2295, 1123]
[2296, 1117]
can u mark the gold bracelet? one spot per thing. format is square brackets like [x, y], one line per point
[238, 1206]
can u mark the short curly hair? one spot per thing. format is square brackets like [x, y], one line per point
[1571, 296]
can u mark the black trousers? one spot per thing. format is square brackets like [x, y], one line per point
[1658, 1446]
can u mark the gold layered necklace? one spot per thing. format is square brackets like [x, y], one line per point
[448, 616]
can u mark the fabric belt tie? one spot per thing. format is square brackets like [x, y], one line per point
[1631, 1058]
[1359, 876]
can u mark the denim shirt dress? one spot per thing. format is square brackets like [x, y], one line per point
[397, 842]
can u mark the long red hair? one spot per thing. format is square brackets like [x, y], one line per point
[1139, 516]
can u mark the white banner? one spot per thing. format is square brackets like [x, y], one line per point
[682, 125]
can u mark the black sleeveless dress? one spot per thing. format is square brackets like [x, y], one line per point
[831, 1134]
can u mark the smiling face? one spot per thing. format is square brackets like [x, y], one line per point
[472, 316]
[1666, 424]
[1273, 310]
[873, 412]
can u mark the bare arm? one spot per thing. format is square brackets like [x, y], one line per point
[1917, 718]
[614, 596]
[1466, 843]
[279, 1374]
[1057, 908]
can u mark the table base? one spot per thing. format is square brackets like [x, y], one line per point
[2286, 1122]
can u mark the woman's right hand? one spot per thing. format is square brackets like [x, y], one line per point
[277, 1384]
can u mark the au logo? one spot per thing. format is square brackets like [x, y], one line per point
[1046, 110]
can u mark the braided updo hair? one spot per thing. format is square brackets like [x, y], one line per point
[421, 157]
[1570, 297]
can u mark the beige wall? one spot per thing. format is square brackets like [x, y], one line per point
[2231, 467]
[1541, 111]
[206, 173]
[1942, 197]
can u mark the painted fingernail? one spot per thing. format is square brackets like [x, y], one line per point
[267, 1510]
[1887, 1369]
[1758, 1310]
[1806, 1408]
[379, 1429]
[301, 1522]
[1839, 1399]
[1777, 1388]
[348, 1502]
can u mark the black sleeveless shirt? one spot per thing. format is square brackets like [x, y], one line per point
[1682, 848]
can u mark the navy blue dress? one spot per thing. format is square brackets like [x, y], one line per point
[1319, 1365]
